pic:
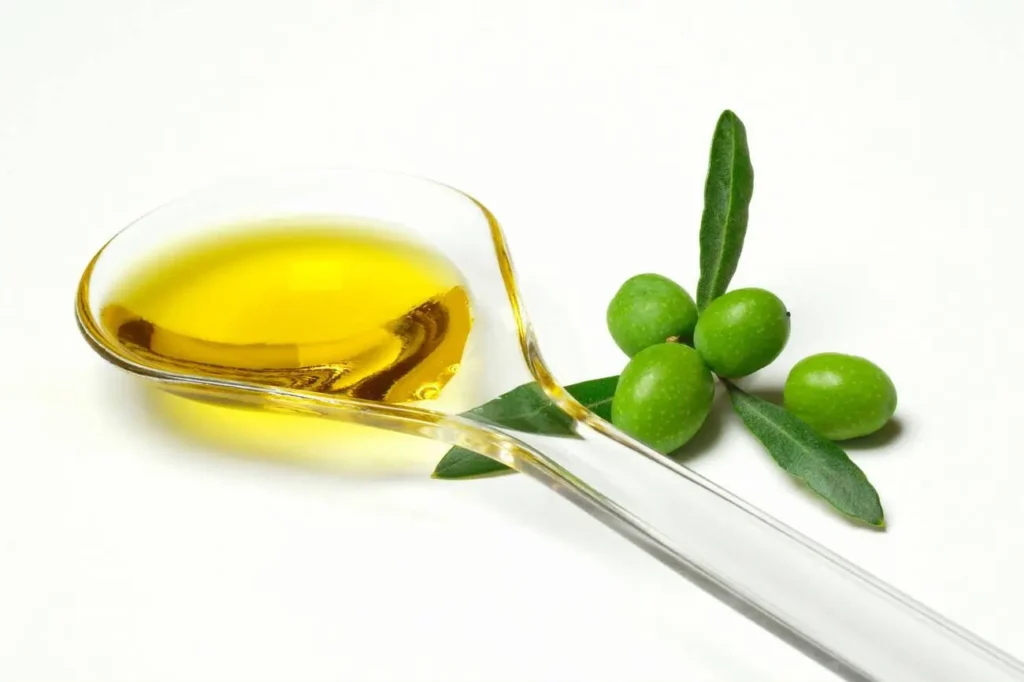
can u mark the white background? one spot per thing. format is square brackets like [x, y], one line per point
[887, 144]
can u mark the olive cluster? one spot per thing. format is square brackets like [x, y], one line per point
[666, 391]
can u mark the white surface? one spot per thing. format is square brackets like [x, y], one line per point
[886, 145]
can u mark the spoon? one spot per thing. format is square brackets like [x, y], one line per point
[827, 608]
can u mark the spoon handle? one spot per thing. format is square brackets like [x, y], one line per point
[853, 624]
[848, 621]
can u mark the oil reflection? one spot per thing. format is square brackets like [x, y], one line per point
[292, 439]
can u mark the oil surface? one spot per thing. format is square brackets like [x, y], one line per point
[326, 307]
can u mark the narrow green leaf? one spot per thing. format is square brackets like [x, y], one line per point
[462, 463]
[526, 408]
[809, 457]
[727, 192]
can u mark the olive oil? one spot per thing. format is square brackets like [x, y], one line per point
[329, 307]
[326, 308]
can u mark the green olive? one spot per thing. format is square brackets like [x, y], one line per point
[663, 396]
[741, 332]
[649, 309]
[840, 396]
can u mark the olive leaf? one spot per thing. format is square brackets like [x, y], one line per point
[525, 408]
[809, 457]
[727, 192]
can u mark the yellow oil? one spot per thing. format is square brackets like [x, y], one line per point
[337, 308]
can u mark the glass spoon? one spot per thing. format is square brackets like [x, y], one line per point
[827, 608]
